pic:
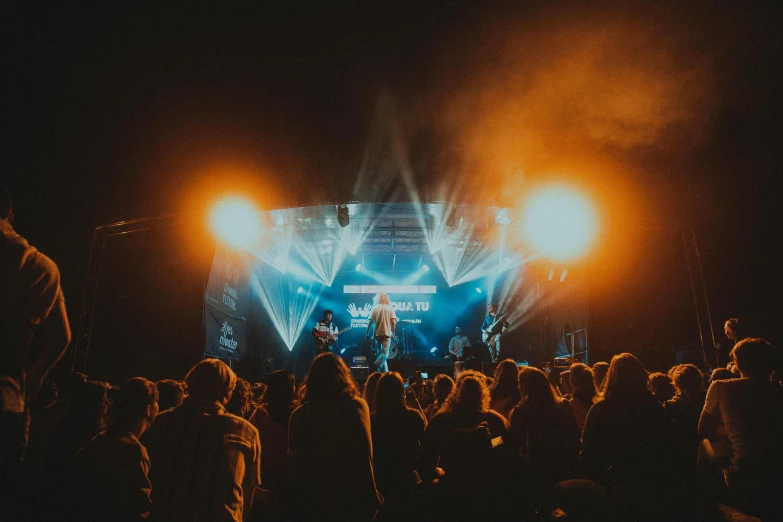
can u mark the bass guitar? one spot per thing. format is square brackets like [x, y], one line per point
[489, 336]
[323, 340]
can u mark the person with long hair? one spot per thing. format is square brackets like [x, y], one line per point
[504, 392]
[545, 433]
[385, 320]
[441, 388]
[271, 421]
[628, 445]
[684, 409]
[583, 392]
[599, 375]
[368, 394]
[466, 446]
[330, 447]
[397, 431]
[241, 400]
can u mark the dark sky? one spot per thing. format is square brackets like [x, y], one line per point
[665, 111]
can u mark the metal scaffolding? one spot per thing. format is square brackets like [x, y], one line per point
[100, 237]
[701, 302]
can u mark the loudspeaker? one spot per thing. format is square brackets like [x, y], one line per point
[435, 367]
[478, 351]
[405, 366]
[360, 373]
[488, 368]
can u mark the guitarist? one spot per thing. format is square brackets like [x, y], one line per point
[492, 330]
[325, 334]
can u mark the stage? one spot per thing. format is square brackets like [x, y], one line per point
[441, 265]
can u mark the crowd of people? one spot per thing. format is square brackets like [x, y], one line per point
[521, 445]
[607, 442]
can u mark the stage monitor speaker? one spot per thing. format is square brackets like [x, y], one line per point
[405, 366]
[488, 368]
[360, 373]
[434, 367]
[437, 361]
[479, 351]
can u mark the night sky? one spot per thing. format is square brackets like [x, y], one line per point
[665, 112]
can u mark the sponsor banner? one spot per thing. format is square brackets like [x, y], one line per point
[407, 311]
[228, 289]
[226, 336]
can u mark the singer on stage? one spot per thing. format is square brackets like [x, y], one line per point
[385, 320]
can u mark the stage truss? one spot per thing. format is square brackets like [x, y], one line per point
[387, 230]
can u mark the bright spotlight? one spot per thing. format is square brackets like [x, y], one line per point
[563, 275]
[342, 216]
[235, 221]
[425, 268]
[434, 349]
[478, 290]
[342, 351]
[559, 223]
[359, 267]
[299, 290]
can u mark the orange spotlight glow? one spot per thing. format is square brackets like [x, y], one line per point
[235, 221]
[559, 223]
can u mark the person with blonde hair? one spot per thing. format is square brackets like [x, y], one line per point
[385, 320]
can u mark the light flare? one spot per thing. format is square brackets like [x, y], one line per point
[236, 222]
[559, 223]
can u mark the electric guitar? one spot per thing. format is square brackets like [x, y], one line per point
[486, 333]
[323, 340]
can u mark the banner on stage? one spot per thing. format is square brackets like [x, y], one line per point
[226, 336]
[228, 289]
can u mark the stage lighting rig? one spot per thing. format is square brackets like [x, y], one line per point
[342, 216]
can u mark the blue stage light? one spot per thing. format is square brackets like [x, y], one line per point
[359, 267]
[434, 349]
[478, 289]
[425, 268]
[342, 351]
[299, 290]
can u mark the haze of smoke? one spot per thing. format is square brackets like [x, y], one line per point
[572, 91]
